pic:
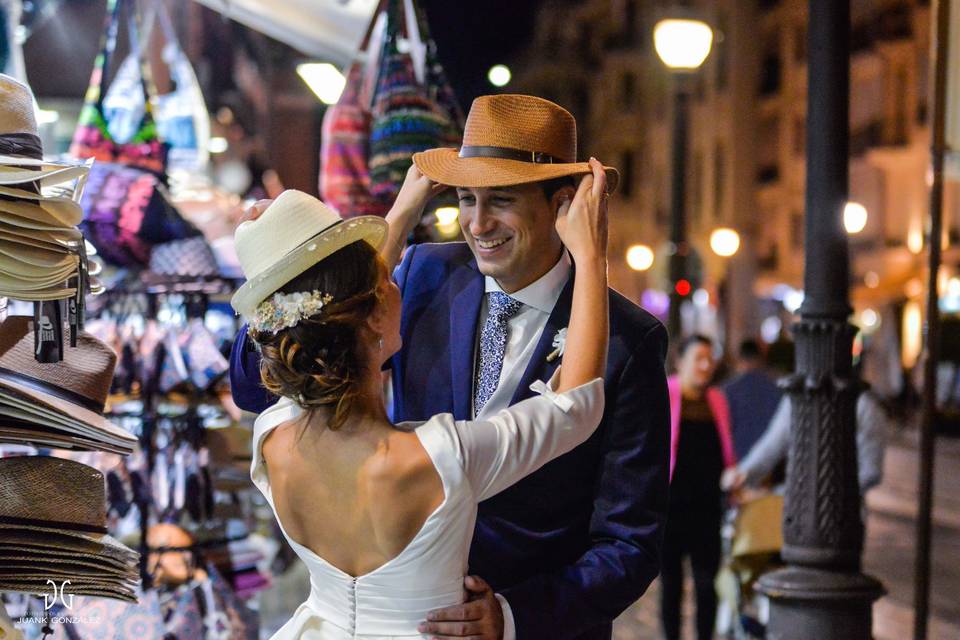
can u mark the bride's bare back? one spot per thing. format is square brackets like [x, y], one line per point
[355, 497]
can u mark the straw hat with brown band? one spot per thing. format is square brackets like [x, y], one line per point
[54, 495]
[510, 140]
[73, 390]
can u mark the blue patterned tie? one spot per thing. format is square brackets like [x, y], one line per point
[493, 344]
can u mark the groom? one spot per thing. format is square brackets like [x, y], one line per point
[571, 546]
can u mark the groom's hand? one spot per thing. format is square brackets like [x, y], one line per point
[479, 618]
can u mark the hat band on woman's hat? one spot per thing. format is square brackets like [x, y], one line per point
[27, 145]
[52, 524]
[49, 389]
[506, 153]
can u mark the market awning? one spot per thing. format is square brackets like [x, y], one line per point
[329, 30]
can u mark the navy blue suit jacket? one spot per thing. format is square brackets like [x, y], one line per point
[578, 541]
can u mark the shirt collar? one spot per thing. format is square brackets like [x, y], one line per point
[543, 293]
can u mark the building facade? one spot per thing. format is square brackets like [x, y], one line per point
[746, 141]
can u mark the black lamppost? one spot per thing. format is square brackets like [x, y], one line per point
[822, 593]
[683, 44]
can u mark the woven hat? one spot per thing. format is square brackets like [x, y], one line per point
[18, 128]
[57, 496]
[294, 233]
[68, 395]
[510, 140]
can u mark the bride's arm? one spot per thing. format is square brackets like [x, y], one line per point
[583, 229]
[416, 192]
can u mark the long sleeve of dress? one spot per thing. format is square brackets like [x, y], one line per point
[500, 450]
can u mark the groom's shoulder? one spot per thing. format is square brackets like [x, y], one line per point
[636, 328]
[442, 253]
[428, 266]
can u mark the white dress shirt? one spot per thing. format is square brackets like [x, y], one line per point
[523, 330]
[523, 333]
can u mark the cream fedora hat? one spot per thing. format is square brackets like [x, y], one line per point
[294, 233]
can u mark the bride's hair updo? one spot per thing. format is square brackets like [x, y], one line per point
[320, 362]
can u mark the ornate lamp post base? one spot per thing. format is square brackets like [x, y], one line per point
[810, 603]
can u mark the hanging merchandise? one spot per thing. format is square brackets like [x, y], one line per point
[181, 115]
[126, 206]
[344, 147]
[407, 114]
[127, 212]
[367, 148]
[93, 137]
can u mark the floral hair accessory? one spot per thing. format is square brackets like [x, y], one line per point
[284, 310]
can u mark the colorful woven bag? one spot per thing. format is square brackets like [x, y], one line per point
[407, 116]
[344, 148]
[92, 138]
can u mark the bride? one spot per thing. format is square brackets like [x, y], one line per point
[382, 514]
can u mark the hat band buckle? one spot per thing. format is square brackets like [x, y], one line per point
[506, 153]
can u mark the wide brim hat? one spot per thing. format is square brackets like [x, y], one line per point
[54, 210]
[294, 233]
[69, 394]
[53, 496]
[510, 140]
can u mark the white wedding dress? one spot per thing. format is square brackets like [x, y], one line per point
[475, 460]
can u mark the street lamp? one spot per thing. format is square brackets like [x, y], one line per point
[683, 45]
[725, 242]
[854, 217]
[640, 257]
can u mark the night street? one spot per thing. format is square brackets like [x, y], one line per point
[888, 555]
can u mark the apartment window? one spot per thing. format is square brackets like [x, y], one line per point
[770, 74]
[626, 175]
[900, 117]
[630, 22]
[719, 179]
[628, 90]
[586, 42]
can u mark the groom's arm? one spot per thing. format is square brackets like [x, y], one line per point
[245, 386]
[630, 507]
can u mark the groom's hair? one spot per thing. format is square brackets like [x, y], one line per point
[550, 187]
[319, 362]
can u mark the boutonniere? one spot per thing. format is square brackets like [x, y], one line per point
[559, 342]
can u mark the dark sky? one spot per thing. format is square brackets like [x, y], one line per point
[474, 35]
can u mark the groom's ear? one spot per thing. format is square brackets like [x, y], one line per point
[560, 197]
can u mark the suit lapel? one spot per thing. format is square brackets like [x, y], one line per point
[466, 294]
[538, 368]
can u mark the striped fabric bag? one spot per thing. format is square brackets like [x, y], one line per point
[344, 175]
[407, 116]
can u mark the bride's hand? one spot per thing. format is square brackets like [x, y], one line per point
[416, 192]
[582, 223]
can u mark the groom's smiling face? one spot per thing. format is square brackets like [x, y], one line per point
[511, 231]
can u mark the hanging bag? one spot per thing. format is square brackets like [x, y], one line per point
[181, 115]
[344, 175]
[125, 204]
[93, 137]
[407, 117]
